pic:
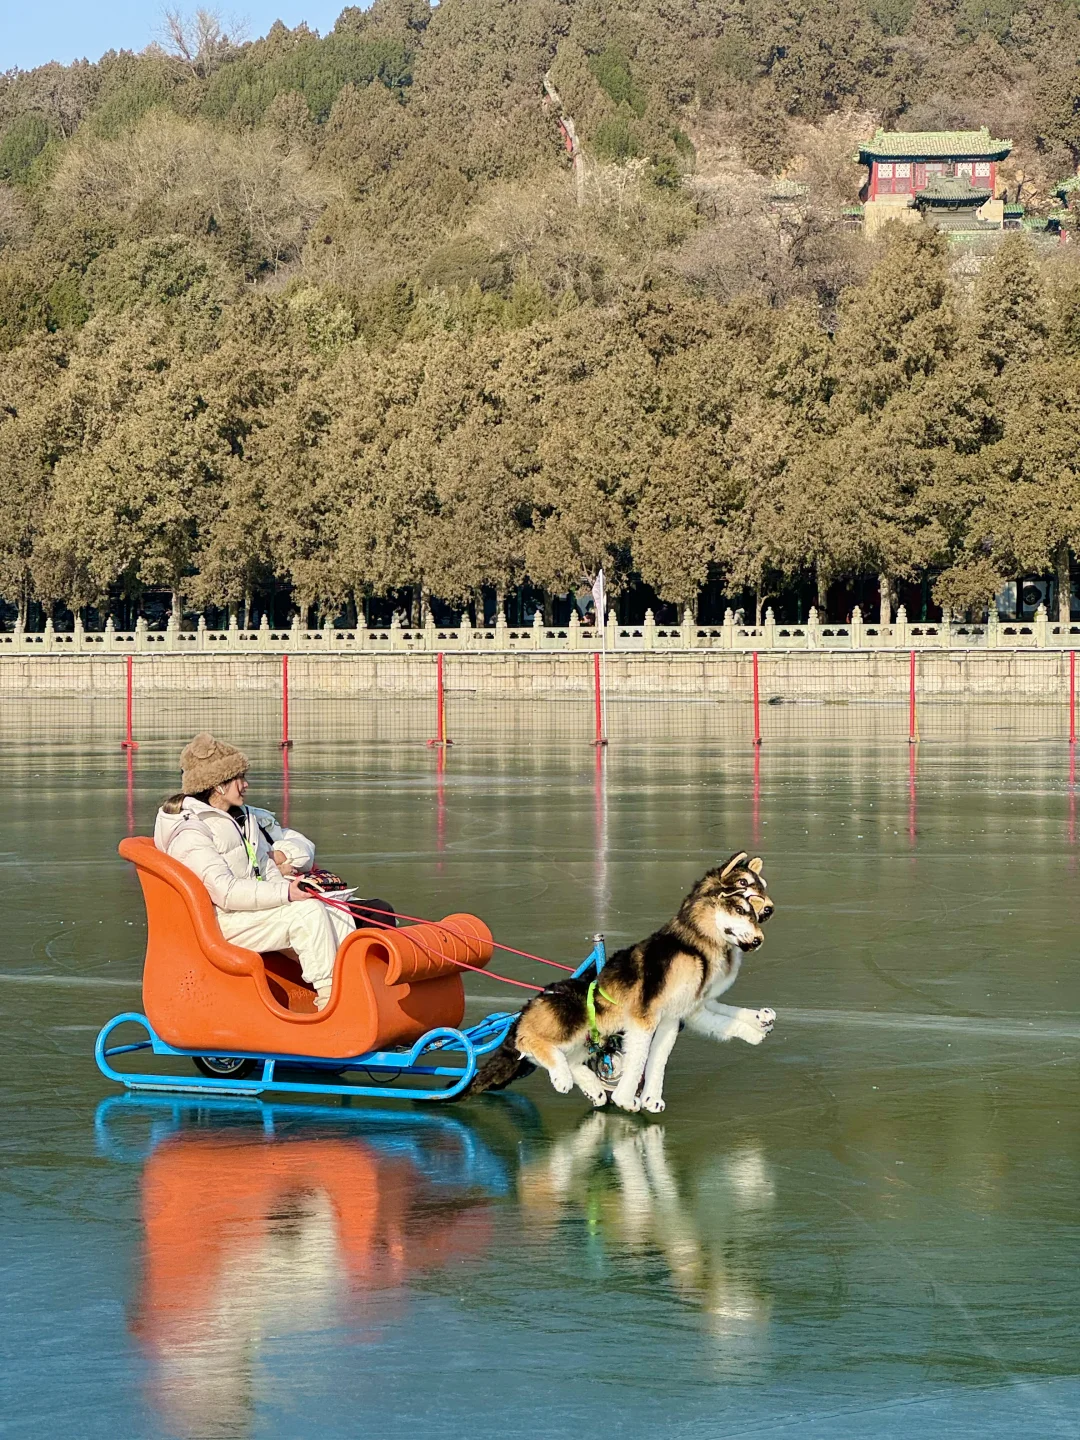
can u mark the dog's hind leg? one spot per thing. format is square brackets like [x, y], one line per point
[664, 1037]
[550, 1058]
[636, 1042]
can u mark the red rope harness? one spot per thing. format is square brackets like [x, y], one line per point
[342, 907]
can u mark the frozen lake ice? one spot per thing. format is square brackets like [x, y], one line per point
[865, 1227]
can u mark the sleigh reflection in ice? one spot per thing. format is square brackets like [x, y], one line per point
[618, 1172]
[262, 1230]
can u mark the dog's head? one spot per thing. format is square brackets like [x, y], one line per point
[746, 875]
[714, 904]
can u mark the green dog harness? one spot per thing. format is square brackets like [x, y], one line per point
[590, 1010]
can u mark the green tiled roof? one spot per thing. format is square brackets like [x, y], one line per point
[787, 189]
[943, 190]
[1014, 211]
[1068, 186]
[933, 145]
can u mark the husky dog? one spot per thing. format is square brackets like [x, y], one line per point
[646, 992]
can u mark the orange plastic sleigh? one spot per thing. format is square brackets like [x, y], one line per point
[248, 1021]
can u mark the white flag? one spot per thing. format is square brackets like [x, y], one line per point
[599, 599]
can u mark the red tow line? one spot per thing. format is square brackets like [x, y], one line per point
[343, 907]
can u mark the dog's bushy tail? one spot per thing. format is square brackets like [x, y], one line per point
[502, 1067]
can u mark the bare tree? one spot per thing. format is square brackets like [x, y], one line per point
[201, 40]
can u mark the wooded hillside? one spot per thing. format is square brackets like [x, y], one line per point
[329, 318]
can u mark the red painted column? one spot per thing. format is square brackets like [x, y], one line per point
[757, 702]
[1072, 697]
[440, 705]
[128, 743]
[913, 733]
[286, 743]
[598, 701]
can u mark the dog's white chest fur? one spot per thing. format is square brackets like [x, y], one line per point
[726, 974]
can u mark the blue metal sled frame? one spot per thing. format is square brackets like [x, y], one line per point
[470, 1043]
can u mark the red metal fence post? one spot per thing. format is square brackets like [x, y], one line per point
[757, 702]
[128, 743]
[598, 701]
[440, 705]
[286, 743]
[913, 729]
[1072, 697]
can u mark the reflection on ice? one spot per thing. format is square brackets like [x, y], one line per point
[253, 1242]
[618, 1172]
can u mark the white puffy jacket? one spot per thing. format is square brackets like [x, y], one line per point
[211, 843]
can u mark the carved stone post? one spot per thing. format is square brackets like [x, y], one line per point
[728, 641]
[110, 634]
[1041, 627]
[900, 629]
[686, 629]
[768, 631]
[573, 630]
[813, 630]
[858, 640]
[649, 630]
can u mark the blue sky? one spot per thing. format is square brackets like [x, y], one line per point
[33, 32]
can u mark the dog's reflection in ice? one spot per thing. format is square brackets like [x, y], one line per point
[620, 1173]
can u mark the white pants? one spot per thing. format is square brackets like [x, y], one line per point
[307, 927]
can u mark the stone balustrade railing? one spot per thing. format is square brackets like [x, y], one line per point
[772, 635]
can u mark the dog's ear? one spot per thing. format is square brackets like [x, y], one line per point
[756, 865]
[735, 861]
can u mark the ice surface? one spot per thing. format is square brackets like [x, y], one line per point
[866, 1227]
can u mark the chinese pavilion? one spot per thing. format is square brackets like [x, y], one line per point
[951, 173]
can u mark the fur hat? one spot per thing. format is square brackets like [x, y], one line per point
[207, 762]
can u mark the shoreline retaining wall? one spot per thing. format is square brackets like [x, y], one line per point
[869, 677]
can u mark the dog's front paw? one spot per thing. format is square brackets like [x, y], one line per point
[562, 1083]
[754, 1026]
[654, 1104]
[626, 1101]
[593, 1092]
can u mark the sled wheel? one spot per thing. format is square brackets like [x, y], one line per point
[224, 1067]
